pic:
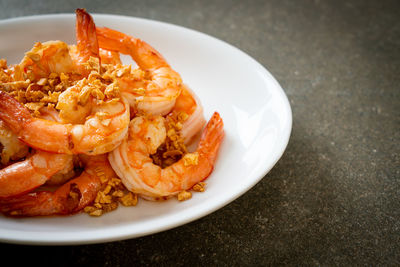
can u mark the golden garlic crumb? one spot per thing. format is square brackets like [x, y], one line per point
[130, 199]
[139, 91]
[118, 193]
[34, 106]
[84, 95]
[184, 195]
[89, 209]
[42, 81]
[111, 193]
[191, 159]
[96, 213]
[107, 189]
[111, 91]
[199, 187]
[92, 64]
[182, 116]
[98, 94]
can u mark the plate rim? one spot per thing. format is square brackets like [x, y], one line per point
[190, 217]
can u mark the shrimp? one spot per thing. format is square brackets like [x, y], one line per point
[86, 38]
[102, 131]
[154, 95]
[22, 177]
[70, 198]
[45, 58]
[133, 164]
[188, 106]
[57, 57]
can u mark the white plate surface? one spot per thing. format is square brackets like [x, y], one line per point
[254, 108]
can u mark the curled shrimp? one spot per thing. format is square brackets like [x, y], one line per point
[156, 94]
[70, 198]
[133, 164]
[22, 177]
[57, 57]
[101, 132]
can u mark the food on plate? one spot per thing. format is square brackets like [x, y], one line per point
[155, 93]
[80, 130]
[68, 198]
[23, 176]
[133, 164]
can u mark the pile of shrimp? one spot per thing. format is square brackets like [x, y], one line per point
[79, 130]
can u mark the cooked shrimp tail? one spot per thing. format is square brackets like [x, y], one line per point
[211, 138]
[144, 54]
[69, 198]
[86, 36]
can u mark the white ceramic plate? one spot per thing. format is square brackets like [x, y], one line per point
[255, 110]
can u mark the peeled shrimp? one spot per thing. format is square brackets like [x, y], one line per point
[133, 164]
[69, 198]
[57, 57]
[45, 58]
[22, 177]
[101, 132]
[155, 95]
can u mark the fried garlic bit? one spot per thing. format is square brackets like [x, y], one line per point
[107, 199]
[34, 94]
[200, 187]
[174, 147]
[184, 195]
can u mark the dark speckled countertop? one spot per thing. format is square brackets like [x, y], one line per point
[334, 196]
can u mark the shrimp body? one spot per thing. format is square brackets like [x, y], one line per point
[22, 177]
[101, 132]
[69, 198]
[157, 93]
[133, 164]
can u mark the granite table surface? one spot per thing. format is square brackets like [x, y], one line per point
[334, 196]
